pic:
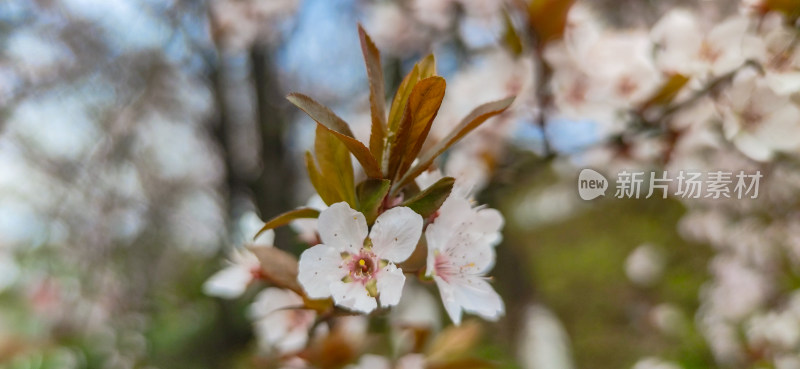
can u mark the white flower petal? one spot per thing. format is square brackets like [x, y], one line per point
[306, 230]
[243, 257]
[390, 285]
[285, 330]
[295, 339]
[447, 292]
[396, 233]
[249, 225]
[752, 147]
[353, 296]
[477, 296]
[273, 299]
[265, 239]
[320, 266]
[489, 220]
[463, 250]
[228, 283]
[342, 228]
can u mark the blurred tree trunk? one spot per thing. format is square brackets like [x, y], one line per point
[221, 134]
[274, 189]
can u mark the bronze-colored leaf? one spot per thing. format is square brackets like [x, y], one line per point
[331, 122]
[472, 121]
[548, 19]
[420, 111]
[287, 217]
[335, 165]
[377, 94]
[427, 202]
[328, 194]
[401, 98]
[279, 268]
[667, 92]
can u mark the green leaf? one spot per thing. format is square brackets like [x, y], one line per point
[427, 202]
[336, 126]
[377, 94]
[423, 105]
[427, 66]
[511, 38]
[370, 195]
[285, 218]
[472, 121]
[335, 166]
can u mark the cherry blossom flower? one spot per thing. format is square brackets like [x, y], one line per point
[244, 267]
[722, 49]
[589, 82]
[460, 251]
[782, 67]
[757, 120]
[279, 324]
[354, 269]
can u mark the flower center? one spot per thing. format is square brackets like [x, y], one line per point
[365, 266]
[362, 266]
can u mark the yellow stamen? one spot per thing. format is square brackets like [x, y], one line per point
[362, 262]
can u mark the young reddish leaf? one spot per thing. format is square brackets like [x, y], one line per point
[472, 121]
[377, 94]
[427, 202]
[329, 195]
[285, 218]
[336, 126]
[279, 268]
[401, 97]
[548, 19]
[421, 109]
[370, 195]
[334, 164]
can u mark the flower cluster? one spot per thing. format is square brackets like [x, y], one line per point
[369, 230]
